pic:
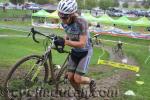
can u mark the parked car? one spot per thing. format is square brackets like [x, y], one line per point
[33, 7]
[11, 6]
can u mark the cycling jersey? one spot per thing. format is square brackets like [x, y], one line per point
[74, 31]
[77, 28]
[119, 45]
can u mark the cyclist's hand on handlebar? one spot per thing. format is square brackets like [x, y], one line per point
[59, 41]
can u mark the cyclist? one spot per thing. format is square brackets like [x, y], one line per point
[78, 37]
[97, 41]
[119, 45]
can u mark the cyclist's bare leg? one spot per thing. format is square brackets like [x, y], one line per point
[72, 81]
[81, 79]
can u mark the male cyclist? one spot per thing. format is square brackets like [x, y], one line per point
[97, 41]
[119, 45]
[78, 37]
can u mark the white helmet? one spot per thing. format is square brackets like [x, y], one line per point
[119, 41]
[67, 6]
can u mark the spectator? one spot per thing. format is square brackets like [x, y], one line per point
[98, 25]
[148, 29]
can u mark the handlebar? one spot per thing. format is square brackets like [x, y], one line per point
[60, 49]
[34, 32]
[96, 35]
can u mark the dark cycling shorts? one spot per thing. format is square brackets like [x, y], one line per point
[82, 66]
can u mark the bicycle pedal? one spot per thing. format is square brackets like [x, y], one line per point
[50, 82]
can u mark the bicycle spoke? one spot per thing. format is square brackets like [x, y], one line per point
[28, 74]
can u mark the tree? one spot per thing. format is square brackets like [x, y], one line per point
[89, 4]
[143, 2]
[17, 1]
[136, 5]
[81, 4]
[148, 1]
[53, 1]
[115, 3]
[44, 1]
[105, 4]
[146, 6]
[125, 5]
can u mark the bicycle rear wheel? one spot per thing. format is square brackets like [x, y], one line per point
[120, 54]
[21, 75]
[114, 49]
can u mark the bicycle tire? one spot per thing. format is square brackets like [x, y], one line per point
[100, 43]
[13, 71]
[61, 77]
[61, 73]
[114, 49]
[120, 54]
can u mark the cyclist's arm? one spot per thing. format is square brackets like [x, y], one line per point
[83, 25]
[66, 37]
[77, 44]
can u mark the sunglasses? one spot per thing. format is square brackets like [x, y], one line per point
[63, 16]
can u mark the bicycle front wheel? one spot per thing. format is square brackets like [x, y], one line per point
[27, 73]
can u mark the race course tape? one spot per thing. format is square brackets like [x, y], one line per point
[119, 65]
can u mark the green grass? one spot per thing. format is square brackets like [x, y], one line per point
[20, 23]
[126, 39]
[139, 53]
[3, 1]
[14, 13]
[11, 32]
[13, 49]
[16, 23]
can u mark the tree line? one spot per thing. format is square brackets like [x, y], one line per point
[89, 4]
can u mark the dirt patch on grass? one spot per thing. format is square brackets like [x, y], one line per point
[116, 76]
[3, 75]
[106, 77]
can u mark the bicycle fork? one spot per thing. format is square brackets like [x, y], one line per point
[38, 67]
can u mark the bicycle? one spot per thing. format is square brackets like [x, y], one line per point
[96, 41]
[117, 51]
[35, 70]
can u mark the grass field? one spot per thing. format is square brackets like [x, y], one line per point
[26, 46]
[13, 49]
[140, 53]
[11, 32]
[133, 41]
[11, 13]
[4, 1]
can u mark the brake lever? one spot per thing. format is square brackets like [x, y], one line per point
[33, 36]
[29, 34]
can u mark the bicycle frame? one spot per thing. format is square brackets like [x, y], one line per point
[44, 61]
[118, 51]
[47, 57]
[96, 41]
